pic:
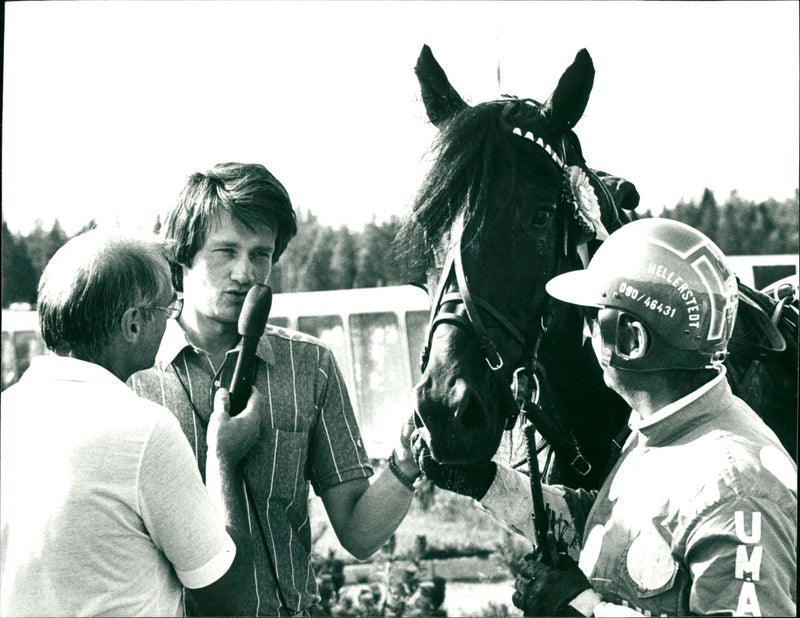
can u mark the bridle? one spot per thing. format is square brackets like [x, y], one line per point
[470, 320]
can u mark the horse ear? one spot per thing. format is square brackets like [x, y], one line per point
[568, 101]
[623, 192]
[440, 98]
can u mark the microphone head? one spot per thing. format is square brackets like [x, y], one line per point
[255, 311]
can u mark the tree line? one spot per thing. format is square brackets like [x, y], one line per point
[740, 227]
[322, 257]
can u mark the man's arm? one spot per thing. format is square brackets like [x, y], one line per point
[365, 515]
[505, 495]
[229, 439]
[508, 502]
[743, 559]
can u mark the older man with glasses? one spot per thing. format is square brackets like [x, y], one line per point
[103, 508]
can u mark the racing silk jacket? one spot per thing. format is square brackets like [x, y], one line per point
[699, 516]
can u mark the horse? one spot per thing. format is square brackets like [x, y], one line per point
[508, 203]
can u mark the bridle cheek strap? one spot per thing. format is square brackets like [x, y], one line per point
[472, 321]
[490, 353]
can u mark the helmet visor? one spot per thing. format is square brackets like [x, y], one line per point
[578, 287]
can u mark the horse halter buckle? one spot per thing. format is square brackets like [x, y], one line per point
[580, 465]
[525, 386]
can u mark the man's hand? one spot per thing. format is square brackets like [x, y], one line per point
[471, 480]
[542, 590]
[404, 456]
[230, 437]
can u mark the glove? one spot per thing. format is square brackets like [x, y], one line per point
[542, 590]
[471, 480]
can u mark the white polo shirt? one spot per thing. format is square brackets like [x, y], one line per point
[103, 509]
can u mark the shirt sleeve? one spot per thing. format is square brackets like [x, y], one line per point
[180, 517]
[337, 452]
[743, 560]
[508, 502]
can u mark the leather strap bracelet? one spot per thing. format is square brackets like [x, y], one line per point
[409, 483]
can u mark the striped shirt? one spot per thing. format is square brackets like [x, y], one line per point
[314, 439]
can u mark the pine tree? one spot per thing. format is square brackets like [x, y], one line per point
[343, 261]
[708, 215]
[19, 277]
[41, 244]
[369, 264]
[318, 273]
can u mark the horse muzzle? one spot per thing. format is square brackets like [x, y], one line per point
[457, 425]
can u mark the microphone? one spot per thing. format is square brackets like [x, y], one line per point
[252, 322]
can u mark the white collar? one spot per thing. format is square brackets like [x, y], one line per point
[636, 422]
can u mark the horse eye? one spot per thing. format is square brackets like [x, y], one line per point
[540, 217]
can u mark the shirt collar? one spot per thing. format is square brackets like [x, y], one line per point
[175, 341]
[681, 415]
[264, 350]
[55, 367]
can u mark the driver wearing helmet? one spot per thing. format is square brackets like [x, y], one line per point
[699, 514]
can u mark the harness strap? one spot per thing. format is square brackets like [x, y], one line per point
[498, 317]
[767, 325]
[551, 426]
[490, 352]
[432, 322]
[472, 320]
[541, 512]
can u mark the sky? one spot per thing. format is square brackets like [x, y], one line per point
[109, 106]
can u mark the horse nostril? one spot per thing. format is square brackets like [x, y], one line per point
[473, 415]
[467, 408]
[458, 397]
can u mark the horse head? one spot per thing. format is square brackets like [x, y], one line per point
[504, 207]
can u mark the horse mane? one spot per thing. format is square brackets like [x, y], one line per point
[470, 153]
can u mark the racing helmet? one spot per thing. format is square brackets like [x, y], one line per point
[669, 277]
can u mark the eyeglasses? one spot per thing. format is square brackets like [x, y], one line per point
[174, 309]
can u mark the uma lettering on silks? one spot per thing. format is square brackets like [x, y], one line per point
[748, 562]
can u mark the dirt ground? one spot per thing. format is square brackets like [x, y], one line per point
[462, 599]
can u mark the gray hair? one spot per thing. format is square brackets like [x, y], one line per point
[89, 284]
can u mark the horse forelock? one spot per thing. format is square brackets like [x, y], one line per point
[463, 173]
